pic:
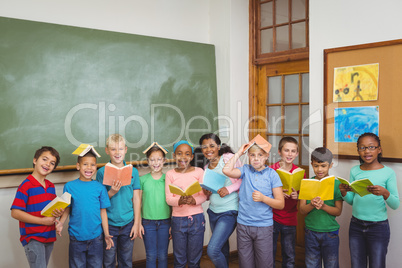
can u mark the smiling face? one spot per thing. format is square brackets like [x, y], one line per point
[117, 152]
[369, 156]
[257, 157]
[156, 160]
[44, 164]
[289, 152]
[210, 149]
[321, 169]
[87, 167]
[183, 156]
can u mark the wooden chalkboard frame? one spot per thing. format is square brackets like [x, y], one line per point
[386, 54]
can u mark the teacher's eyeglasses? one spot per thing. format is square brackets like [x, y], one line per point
[370, 148]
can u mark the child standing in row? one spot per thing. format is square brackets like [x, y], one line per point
[155, 211]
[188, 222]
[124, 214]
[369, 231]
[260, 191]
[88, 223]
[34, 193]
[285, 220]
[321, 233]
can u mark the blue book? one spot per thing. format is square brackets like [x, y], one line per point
[212, 181]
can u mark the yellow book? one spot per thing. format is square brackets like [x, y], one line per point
[358, 186]
[311, 188]
[291, 179]
[59, 202]
[83, 149]
[193, 188]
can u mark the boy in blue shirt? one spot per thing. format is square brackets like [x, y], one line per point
[260, 191]
[124, 216]
[321, 235]
[88, 217]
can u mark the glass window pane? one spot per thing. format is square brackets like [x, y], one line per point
[292, 88]
[266, 14]
[273, 155]
[274, 89]
[298, 10]
[298, 35]
[305, 119]
[282, 38]
[282, 11]
[305, 87]
[292, 119]
[274, 119]
[305, 154]
[296, 161]
[267, 41]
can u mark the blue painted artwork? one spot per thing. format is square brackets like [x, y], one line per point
[351, 122]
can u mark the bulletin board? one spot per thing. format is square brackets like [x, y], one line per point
[388, 56]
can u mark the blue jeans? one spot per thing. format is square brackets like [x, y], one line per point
[38, 253]
[188, 240]
[87, 253]
[368, 239]
[123, 247]
[288, 243]
[222, 226]
[321, 246]
[156, 241]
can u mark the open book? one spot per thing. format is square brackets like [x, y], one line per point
[123, 174]
[261, 142]
[212, 181]
[311, 188]
[190, 190]
[58, 203]
[155, 144]
[358, 186]
[83, 149]
[291, 179]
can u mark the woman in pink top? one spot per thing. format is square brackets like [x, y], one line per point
[188, 222]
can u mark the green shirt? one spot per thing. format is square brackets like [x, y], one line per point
[154, 206]
[321, 221]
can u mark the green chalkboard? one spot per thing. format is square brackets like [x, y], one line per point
[62, 86]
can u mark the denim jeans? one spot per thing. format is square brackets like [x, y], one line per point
[321, 247]
[87, 253]
[38, 253]
[368, 239]
[222, 226]
[123, 247]
[288, 243]
[156, 241]
[188, 240]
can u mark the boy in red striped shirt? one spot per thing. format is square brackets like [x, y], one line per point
[34, 193]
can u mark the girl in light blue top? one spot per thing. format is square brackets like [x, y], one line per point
[369, 231]
[224, 204]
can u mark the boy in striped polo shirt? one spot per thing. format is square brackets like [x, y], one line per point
[34, 193]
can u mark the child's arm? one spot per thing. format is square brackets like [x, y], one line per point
[278, 202]
[171, 200]
[60, 223]
[105, 226]
[334, 211]
[114, 189]
[23, 216]
[229, 168]
[136, 230]
[306, 208]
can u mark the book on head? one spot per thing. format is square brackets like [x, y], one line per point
[291, 179]
[83, 149]
[57, 203]
[212, 181]
[311, 188]
[113, 173]
[155, 144]
[261, 142]
[358, 186]
[190, 190]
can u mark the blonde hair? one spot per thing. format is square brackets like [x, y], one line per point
[115, 138]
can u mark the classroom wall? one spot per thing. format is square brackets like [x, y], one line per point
[223, 23]
[345, 23]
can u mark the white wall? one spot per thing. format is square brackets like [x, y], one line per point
[223, 23]
[344, 23]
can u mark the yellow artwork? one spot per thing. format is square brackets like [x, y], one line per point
[356, 83]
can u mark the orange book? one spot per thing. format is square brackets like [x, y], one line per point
[123, 174]
[261, 142]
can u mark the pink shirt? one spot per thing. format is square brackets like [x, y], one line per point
[183, 180]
